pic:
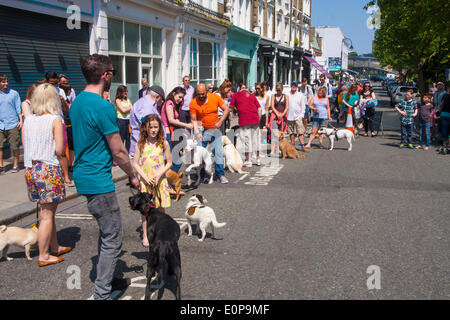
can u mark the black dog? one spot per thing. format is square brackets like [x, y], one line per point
[163, 234]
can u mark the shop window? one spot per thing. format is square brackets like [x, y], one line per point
[205, 60]
[157, 41]
[115, 35]
[193, 60]
[157, 78]
[136, 52]
[131, 37]
[117, 65]
[146, 40]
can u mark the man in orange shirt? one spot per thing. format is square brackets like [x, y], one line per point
[205, 108]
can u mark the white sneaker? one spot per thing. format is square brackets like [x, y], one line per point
[223, 180]
[247, 164]
[258, 162]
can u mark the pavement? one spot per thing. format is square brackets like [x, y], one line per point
[14, 202]
[299, 229]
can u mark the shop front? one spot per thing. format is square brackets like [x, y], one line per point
[35, 39]
[138, 37]
[265, 69]
[242, 49]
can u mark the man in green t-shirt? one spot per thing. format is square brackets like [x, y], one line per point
[97, 143]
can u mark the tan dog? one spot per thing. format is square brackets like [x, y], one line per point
[287, 149]
[27, 238]
[232, 157]
[175, 179]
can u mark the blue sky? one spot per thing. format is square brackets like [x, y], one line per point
[350, 16]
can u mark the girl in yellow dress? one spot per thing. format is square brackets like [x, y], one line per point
[149, 163]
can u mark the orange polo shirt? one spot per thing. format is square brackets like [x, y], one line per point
[207, 113]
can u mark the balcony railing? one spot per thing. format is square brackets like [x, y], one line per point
[193, 5]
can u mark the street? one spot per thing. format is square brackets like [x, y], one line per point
[309, 229]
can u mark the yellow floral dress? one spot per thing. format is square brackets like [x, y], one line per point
[152, 162]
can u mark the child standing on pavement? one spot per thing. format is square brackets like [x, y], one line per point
[408, 110]
[150, 165]
[425, 111]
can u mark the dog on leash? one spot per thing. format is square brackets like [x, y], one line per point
[287, 149]
[199, 156]
[333, 134]
[27, 238]
[203, 216]
[232, 157]
[163, 233]
[175, 179]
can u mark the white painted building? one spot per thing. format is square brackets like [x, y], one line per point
[333, 45]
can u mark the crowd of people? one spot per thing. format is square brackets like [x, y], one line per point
[88, 134]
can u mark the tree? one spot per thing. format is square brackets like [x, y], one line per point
[410, 35]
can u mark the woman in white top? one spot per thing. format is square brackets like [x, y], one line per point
[263, 100]
[43, 142]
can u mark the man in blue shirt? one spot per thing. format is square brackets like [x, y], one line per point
[97, 142]
[10, 122]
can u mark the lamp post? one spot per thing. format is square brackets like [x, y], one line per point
[348, 44]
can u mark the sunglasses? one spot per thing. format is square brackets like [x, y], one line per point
[113, 71]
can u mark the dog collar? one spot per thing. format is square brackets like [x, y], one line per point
[152, 206]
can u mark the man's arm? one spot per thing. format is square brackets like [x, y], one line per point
[19, 110]
[194, 122]
[120, 155]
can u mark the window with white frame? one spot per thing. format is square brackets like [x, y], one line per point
[136, 51]
[204, 62]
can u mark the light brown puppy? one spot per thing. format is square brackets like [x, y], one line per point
[27, 238]
[287, 149]
[175, 179]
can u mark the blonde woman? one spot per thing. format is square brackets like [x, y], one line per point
[43, 142]
[320, 105]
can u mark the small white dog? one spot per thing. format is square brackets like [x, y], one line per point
[332, 134]
[20, 237]
[200, 155]
[203, 216]
[232, 157]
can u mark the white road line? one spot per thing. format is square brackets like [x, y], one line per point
[127, 298]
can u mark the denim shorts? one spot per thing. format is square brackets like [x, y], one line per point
[317, 122]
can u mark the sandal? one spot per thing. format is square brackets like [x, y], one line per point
[145, 245]
[69, 184]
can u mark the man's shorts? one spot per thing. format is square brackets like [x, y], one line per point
[45, 183]
[296, 127]
[250, 137]
[318, 122]
[13, 136]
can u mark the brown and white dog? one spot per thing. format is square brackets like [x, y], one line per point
[27, 238]
[175, 179]
[203, 216]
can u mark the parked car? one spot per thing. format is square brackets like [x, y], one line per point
[391, 87]
[400, 92]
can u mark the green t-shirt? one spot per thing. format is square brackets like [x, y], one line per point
[93, 118]
[353, 98]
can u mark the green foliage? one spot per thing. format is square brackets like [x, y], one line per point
[353, 54]
[411, 33]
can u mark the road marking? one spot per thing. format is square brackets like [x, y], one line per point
[77, 216]
[127, 298]
[264, 176]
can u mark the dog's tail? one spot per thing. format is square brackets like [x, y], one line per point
[217, 224]
[3, 228]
